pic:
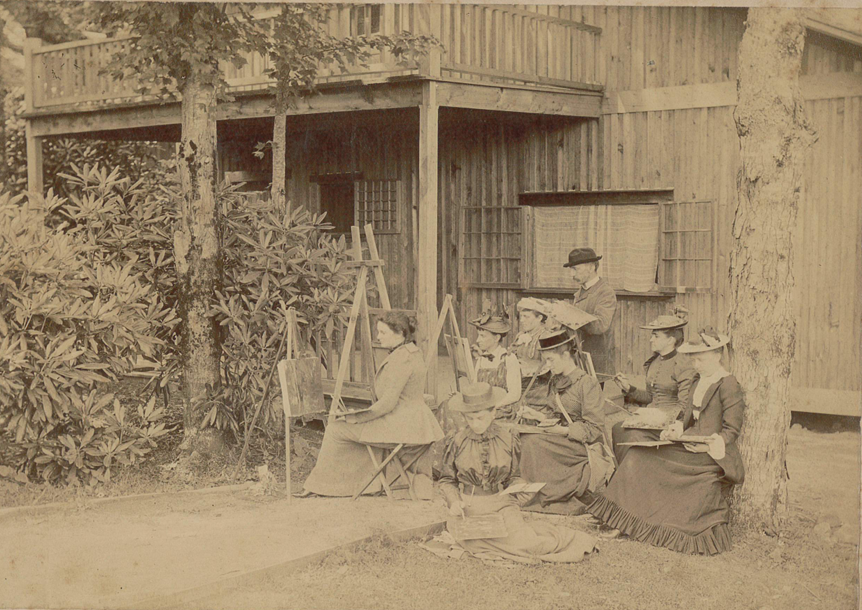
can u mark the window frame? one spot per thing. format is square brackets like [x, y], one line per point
[533, 199]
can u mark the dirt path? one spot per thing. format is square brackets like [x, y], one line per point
[800, 571]
[117, 554]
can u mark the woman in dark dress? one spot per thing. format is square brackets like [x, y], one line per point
[482, 460]
[672, 495]
[668, 380]
[569, 458]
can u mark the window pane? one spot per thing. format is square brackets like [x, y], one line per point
[626, 236]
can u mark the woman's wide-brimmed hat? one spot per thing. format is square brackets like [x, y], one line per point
[579, 256]
[476, 397]
[555, 338]
[492, 322]
[706, 341]
[531, 304]
[677, 319]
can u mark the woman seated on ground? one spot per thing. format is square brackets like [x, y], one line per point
[671, 495]
[668, 380]
[495, 365]
[400, 415]
[570, 459]
[480, 461]
[534, 380]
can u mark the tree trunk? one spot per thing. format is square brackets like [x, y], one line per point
[279, 150]
[197, 251]
[774, 137]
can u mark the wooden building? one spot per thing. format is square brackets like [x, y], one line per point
[538, 128]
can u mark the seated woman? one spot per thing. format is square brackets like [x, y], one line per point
[569, 459]
[400, 415]
[534, 381]
[668, 380]
[495, 365]
[671, 496]
[480, 461]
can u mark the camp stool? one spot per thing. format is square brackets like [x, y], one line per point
[393, 455]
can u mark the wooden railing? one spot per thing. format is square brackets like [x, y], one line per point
[480, 42]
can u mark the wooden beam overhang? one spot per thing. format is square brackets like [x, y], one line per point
[528, 100]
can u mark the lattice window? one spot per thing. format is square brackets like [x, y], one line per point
[687, 245]
[376, 203]
[491, 250]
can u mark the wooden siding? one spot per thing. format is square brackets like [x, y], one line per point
[349, 147]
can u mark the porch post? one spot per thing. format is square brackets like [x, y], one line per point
[426, 295]
[35, 183]
[34, 144]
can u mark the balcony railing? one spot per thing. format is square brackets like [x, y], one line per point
[480, 42]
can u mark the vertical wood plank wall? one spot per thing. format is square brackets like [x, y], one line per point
[377, 152]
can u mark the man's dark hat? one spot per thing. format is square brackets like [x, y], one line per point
[555, 338]
[579, 256]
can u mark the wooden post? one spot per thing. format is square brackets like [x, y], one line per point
[291, 352]
[429, 22]
[35, 180]
[426, 297]
[34, 144]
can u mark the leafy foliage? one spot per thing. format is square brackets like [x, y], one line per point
[71, 320]
[274, 260]
[148, 161]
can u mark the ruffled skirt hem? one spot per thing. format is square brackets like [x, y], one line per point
[712, 541]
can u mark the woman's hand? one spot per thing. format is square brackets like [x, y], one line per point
[672, 432]
[696, 447]
[530, 413]
[351, 418]
[456, 509]
[623, 381]
[561, 430]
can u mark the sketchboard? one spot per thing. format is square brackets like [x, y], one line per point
[301, 386]
[519, 488]
[478, 527]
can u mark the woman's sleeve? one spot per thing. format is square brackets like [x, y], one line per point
[449, 473]
[642, 397]
[588, 423]
[389, 391]
[513, 380]
[733, 407]
[684, 377]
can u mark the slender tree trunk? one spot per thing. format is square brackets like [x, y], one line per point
[198, 258]
[279, 149]
[774, 137]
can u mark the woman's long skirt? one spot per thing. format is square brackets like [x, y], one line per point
[559, 462]
[526, 542]
[669, 497]
[344, 465]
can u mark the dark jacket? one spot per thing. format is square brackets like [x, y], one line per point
[597, 337]
[722, 413]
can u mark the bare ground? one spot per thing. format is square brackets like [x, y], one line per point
[801, 569]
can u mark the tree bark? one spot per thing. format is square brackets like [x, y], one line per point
[197, 252]
[774, 137]
[279, 150]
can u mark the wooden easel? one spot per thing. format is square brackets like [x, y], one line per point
[460, 348]
[360, 313]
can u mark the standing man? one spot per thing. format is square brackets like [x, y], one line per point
[595, 296]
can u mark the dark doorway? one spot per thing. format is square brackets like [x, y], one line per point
[336, 199]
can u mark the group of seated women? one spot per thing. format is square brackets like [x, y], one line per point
[534, 415]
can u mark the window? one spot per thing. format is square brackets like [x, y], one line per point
[491, 252]
[366, 19]
[626, 236]
[687, 245]
[622, 226]
[336, 199]
[376, 203]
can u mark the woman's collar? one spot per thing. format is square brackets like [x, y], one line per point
[669, 355]
[491, 432]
